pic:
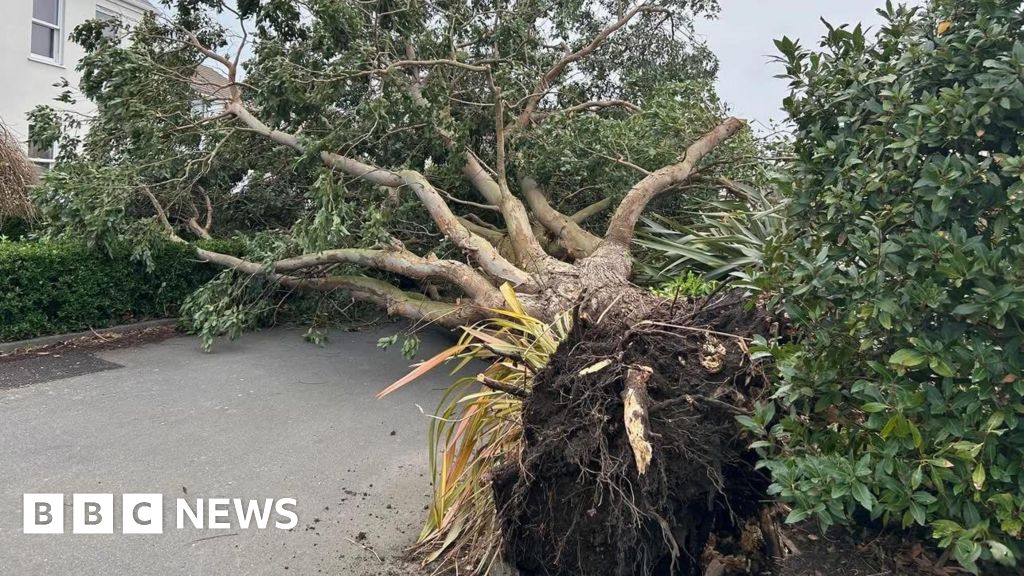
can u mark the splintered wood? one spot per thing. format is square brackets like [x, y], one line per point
[636, 402]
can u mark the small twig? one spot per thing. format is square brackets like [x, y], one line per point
[467, 202]
[622, 161]
[601, 317]
[367, 548]
[198, 540]
[502, 387]
[98, 335]
[789, 544]
[694, 399]
[693, 329]
[518, 359]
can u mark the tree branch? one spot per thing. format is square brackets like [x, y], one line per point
[527, 249]
[495, 237]
[208, 224]
[591, 211]
[586, 106]
[351, 166]
[229, 65]
[577, 241]
[482, 251]
[620, 229]
[198, 230]
[161, 215]
[391, 298]
[555, 71]
[529, 253]
[405, 263]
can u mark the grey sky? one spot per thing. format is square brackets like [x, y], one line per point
[742, 38]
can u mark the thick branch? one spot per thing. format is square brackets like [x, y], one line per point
[552, 74]
[526, 248]
[577, 241]
[591, 211]
[483, 252]
[208, 224]
[401, 262]
[529, 253]
[198, 230]
[620, 229]
[391, 298]
[351, 166]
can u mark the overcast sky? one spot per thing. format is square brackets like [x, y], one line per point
[742, 38]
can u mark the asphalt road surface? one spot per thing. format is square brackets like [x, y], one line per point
[268, 416]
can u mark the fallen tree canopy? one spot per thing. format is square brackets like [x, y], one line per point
[449, 154]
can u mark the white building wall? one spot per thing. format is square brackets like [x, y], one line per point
[25, 80]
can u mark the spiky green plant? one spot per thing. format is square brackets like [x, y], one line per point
[478, 427]
[726, 241]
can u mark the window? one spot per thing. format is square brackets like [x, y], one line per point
[46, 33]
[110, 21]
[41, 156]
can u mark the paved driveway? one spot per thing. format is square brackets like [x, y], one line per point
[268, 416]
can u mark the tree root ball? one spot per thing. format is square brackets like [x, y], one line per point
[577, 504]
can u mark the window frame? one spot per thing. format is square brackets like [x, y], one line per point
[43, 163]
[57, 30]
[111, 14]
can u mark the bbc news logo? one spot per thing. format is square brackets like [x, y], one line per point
[144, 513]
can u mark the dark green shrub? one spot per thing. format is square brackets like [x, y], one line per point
[903, 273]
[55, 287]
[14, 228]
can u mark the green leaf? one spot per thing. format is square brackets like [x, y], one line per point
[907, 357]
[916, 477]
[918, 513]
[891, 426]
[862, 496]
[797, 515]
[915, 434]
[940, 367]
[872, 407]
[1001, 553]
[748, 422]
[978, 478]
[966, 553]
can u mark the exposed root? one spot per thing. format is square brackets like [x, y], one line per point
[635, 402]
[639, 467]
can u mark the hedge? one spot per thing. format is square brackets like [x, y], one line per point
[56, 287]
[902, 277]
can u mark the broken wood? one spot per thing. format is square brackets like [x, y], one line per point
[635, 401]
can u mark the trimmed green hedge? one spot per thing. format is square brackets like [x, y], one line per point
[56, 287]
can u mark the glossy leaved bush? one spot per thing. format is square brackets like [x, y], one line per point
[903, 275]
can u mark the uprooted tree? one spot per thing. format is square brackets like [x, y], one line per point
[433, 153]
